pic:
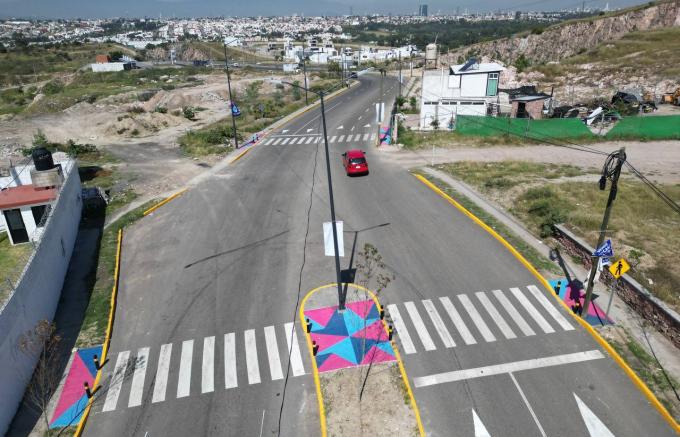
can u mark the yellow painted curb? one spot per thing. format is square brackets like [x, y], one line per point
[600, 340]
[163, 202]
[240, 155]
[107, 340]
[402, 369]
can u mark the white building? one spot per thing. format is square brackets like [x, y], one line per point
[468, 89]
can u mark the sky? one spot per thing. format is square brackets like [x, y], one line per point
[195, 8]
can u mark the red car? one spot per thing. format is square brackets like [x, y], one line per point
[355, 162]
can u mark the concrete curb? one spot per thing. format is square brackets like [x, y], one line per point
[107, 341]
[163, 202]
[596, 336]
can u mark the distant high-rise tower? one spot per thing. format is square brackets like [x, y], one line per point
[422, 10]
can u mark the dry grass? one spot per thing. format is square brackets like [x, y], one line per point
[12, 260]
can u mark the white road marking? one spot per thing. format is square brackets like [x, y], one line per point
[340, 127]
[457, 321]
[526, 402]
[550, 308]
[294, 348]
[366, 110]
[310, 140]
[294, 140]
[373, 136]
[184, 381]
[251, 357]
[309, 130]
[230, 377]
[208, 370]
[514, 314]
[284, 131]
[137, 387]
[273, 353]
[516, 366]
[161, 381]
[438, 323]
[269, 141]
[285, 141]
[116, 381]
[367, 125]
[262, 423]
[476, 318]
[480, 429]
[332, 140]
[366, 137]
[421, 330]
[341, 139]
[404, 336]
[352, 128]
[593, 423]
[359, 118]
[277, 141]
[533, 312]
[495, 315]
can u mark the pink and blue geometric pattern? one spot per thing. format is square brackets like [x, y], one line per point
[353, 338]
[595, 316]
[72, 399]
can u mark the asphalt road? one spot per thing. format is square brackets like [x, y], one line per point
[218, 272]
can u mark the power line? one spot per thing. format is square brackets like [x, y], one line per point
[655, 189]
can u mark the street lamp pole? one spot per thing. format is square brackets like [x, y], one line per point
[341, 296]
[231, 101]
[304, 67]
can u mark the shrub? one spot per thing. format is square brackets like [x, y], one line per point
[545, 208]
[134, 132]
[52, 87]
[189, 113]
[161, 109]
[136, 110]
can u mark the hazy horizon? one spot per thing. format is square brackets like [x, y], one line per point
[217, 8]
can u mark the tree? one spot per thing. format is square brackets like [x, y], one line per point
[413, 102]
[42, 341]
[115, 55]
[370, 266]
[297, 94]
[435, 123]
[401, 100]
[334, 67]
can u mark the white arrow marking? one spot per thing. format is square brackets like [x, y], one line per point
[340, 127]
[367, 125]
[359, 118]
[480, 429]
[309, 130]
[352, 128]
[284, 131]
[594, 425]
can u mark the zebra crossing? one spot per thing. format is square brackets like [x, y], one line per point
[476, 317]
[172, 376]
[308, 139]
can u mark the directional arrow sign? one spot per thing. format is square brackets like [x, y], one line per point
[367, 125]
[340, 127]
[352, 128]
[480, 429]
[284, 131]
[593, 423]
[309, 130]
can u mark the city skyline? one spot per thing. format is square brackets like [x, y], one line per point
[213, 8]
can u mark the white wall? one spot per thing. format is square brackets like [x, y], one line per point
[473, 85]
[37, 294]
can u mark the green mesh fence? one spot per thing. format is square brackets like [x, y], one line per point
[662, 127]
[559, 128]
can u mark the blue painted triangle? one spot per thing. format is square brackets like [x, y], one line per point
[343, 349]
[320, 359]
[386, 346]
[71, 415]
[315, 325]
[353, 322]
[373, 313]
[359, 344]
[335, 325]
[87, 356]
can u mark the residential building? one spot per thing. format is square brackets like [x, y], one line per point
[466, 89]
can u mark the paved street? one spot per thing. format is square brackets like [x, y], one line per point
[204, 341]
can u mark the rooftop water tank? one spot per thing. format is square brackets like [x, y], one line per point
[431, 52]
[42, 159]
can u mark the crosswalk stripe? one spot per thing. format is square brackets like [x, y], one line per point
[116, 381]
[533, 312]
[251, 357]
[421, 330]
[230, 378]
[208, 370]
[276, 141]
[550, 308]
[341, 139]
[476, 318]
[438, 323]
[294, 140]
[404, 336]
[332, 140]
[373, 136]
[137, 387]
[514, 314]
[309, 140]
[184, 381]
[495, 315]
[269, 141]
[463, 330]
[365, 137]
[273, 353]
[285, 141]
[161, 380]
[294, 348]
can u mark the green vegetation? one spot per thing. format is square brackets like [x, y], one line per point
[12, 260]
[640, 223]
[528, 252]
[93, 329]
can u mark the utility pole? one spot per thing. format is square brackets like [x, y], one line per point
[380, 103]
[612, 171]
[399, 73]
[304, 68]
[231, 101]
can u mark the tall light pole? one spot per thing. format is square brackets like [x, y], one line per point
[231, 101]
[304, 67]
[341, 296]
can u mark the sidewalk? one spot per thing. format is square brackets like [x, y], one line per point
[621, 314]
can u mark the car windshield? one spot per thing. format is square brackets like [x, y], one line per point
[357, 161]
